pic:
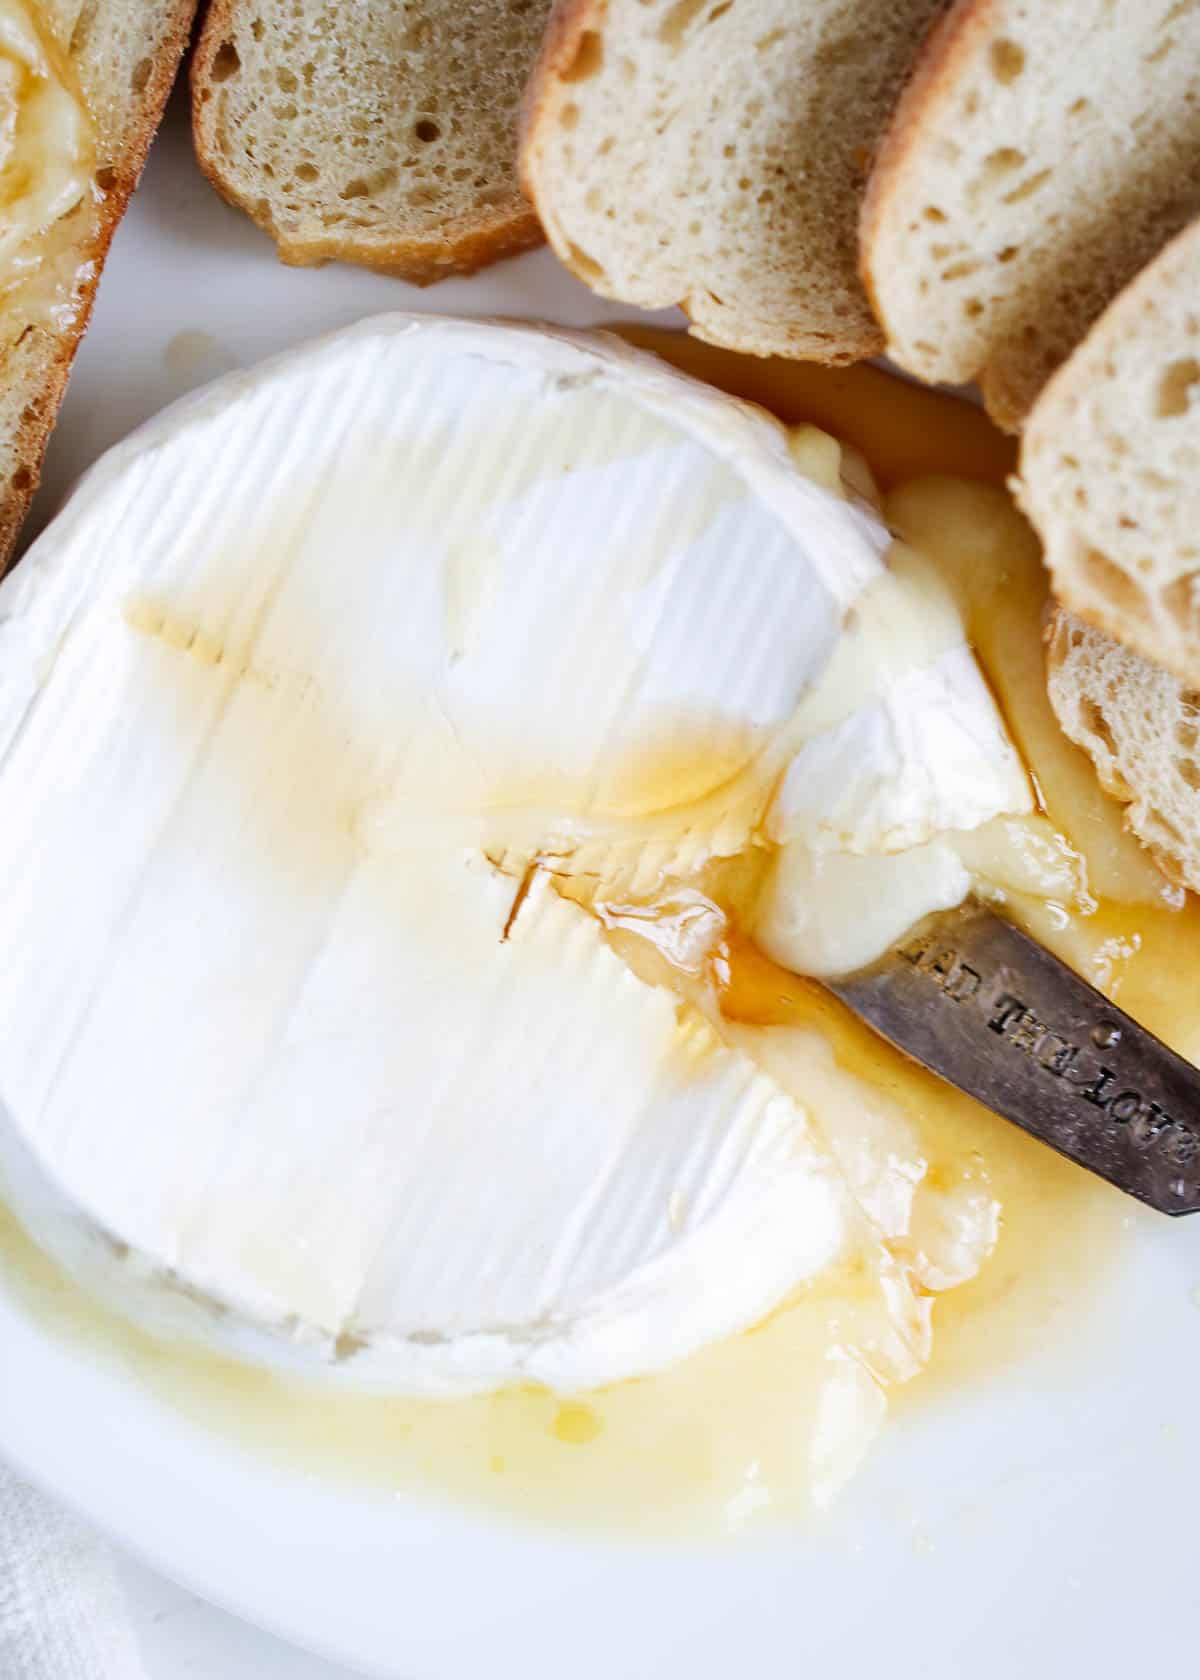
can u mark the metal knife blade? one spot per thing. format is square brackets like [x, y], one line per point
[975, 1000]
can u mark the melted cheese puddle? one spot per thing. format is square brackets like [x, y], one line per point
[753, 1425]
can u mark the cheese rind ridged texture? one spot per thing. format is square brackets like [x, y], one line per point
[277, 1031]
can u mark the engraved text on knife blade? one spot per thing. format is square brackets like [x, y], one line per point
[1076, 1065]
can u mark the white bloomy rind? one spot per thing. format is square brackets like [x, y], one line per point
[286, 1059]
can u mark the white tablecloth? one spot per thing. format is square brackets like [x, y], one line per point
[72, 1610]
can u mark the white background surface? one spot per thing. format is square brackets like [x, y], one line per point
[185, 1639]
[1041, 1526]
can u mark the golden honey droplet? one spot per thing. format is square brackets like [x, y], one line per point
[575, 1424]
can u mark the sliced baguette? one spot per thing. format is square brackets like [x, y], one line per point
[1110, 466]
[381, 134]
[712, 154]
[1043, 151]
[1141, 728]
[124, 59]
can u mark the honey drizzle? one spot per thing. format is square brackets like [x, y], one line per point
[713, 1442]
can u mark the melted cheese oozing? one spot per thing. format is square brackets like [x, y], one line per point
[372, 677]
[47, 144]
[752, 1424]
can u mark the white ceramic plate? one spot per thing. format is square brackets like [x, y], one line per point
[1039, 1522]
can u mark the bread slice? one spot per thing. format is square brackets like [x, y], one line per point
[712, 154]
[1110, 466]
[1141, 728]
[123, 59]
[382, 134]
[1043, 152]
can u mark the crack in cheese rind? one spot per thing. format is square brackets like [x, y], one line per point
[296, 661]
[521, 1219]
[693, 582]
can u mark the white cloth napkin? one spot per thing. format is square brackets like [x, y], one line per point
[62, 1613]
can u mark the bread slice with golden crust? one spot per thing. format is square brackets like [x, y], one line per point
[381, 134]
[1141, 728]
[1110, 466]
[1042, 152]
[712, 154]
[122, 61]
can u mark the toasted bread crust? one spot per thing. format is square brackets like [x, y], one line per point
[1075, 445]
[461, 247]
[60, 346]
[569, 21]
[37, 422]
[1093, 110]
[805, 247]
[545, 94]
[950, 43]
[1142, 817]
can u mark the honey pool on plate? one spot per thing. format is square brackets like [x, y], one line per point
[743, 1429]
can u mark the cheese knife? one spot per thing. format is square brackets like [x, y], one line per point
[976, 1001]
